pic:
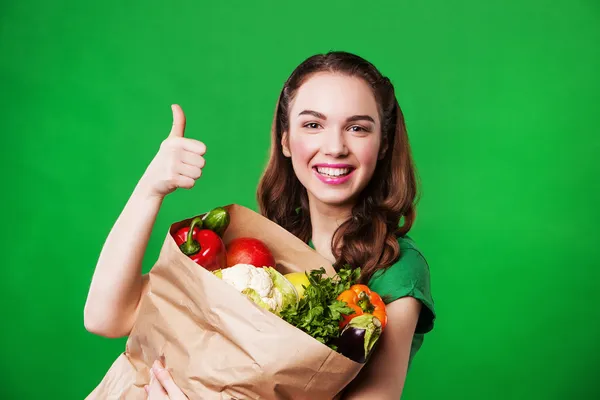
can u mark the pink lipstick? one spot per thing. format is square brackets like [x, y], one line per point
[333, 174]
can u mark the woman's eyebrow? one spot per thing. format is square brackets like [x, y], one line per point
[360, 118]
[349, 119]
[313, 113]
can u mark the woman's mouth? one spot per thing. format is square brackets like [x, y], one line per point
[333, 175]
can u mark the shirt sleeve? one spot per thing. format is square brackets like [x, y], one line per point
[408, 277]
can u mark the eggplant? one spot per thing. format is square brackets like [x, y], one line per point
[359, 337]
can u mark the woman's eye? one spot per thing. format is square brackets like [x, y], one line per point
[312, 125]
[358, 128]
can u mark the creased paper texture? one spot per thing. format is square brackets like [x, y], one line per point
[217, 343]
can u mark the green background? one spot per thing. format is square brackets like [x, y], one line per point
[501, 102]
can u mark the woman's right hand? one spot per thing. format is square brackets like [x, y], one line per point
[117, 286]
[177, 164]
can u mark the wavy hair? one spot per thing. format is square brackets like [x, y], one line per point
[369, 238]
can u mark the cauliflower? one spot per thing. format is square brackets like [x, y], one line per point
[243, 276]
[264, 286]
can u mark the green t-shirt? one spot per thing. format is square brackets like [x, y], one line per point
[408, 277]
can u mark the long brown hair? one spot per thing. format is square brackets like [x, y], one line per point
[370, 235]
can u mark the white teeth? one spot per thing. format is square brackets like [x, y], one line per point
[333, 171]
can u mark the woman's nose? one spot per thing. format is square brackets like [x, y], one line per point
[334, 144]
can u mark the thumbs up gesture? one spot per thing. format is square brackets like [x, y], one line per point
[178, 163]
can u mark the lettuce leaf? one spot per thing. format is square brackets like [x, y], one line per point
[255, 297]
[289, 294]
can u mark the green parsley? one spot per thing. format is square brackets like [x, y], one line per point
[318, 313]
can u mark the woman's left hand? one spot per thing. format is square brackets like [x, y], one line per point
[162, 386]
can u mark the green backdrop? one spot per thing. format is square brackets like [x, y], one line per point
[501, 103]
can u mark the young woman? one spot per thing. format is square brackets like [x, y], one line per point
[340, 177]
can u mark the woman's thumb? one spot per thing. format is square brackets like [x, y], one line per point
[178, 121]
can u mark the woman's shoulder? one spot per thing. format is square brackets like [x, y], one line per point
[411, 260]
[407, 243]
[408, 276]
[411, 264]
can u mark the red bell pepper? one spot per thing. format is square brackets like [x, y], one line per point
[202, 246]
[363, 301]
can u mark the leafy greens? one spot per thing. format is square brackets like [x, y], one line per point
[319, 312]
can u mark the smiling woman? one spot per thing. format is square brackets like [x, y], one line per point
[340, 177]
[339, 143]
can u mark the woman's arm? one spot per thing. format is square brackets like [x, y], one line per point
[118, 285]
[384, 375]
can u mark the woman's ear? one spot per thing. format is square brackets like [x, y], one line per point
[285, 144]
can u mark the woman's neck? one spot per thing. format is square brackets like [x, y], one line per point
[325, 220]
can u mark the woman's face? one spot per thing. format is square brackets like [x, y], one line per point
[334, 137]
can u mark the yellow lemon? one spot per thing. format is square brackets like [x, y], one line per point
[298, 279]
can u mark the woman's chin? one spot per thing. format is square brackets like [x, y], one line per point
[334, 199]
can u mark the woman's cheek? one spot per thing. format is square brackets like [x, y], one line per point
[303, 149]
[301, 156]
[367, 154]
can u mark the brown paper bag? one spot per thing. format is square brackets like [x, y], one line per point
[216, 342]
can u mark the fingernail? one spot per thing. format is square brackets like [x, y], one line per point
[157, 366]
[147, 388]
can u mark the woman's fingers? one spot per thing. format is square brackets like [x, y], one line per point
[193, 145]
[155, 390]
[166, 380]
[185, 182]
[192, 158]
[190, 171]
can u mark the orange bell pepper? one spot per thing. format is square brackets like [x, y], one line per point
[363, 301]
